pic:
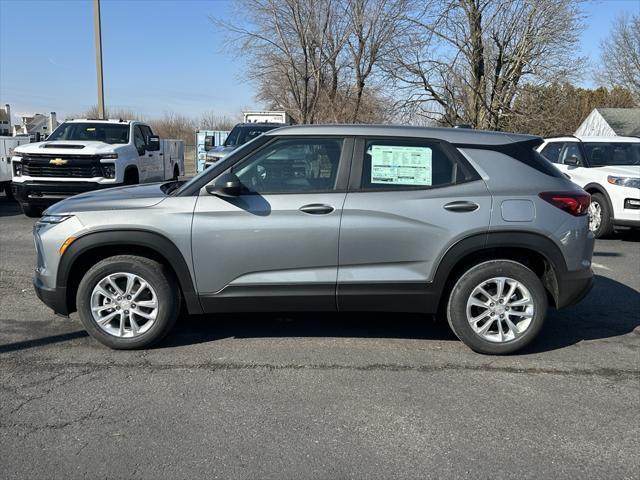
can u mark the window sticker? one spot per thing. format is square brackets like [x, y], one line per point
[401, 165]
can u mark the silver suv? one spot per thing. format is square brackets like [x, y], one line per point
[474, 226]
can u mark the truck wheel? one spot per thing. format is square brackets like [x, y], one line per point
[31, 211]
[8, 192]
[127, 302]
[497, 307]
[131, 177]
[600, 216]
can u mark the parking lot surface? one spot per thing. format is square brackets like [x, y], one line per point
[320, 396]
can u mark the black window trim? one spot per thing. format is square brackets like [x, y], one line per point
[138, 126]
[465, 171]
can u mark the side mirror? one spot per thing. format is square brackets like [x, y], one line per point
[153, 143]
[209, 143]
[226, 185]
[572, 160]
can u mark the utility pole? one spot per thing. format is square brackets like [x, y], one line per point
[98, 32]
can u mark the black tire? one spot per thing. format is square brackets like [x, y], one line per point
[32, 211]
[606, 222]
[131, 177]
[159, 276]
[457, 305]
[8, 192]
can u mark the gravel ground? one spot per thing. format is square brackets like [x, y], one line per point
[320, 396]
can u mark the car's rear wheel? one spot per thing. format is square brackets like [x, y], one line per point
[600, 222]
[497, 307]
[128, 302]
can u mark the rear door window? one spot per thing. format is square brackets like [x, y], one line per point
[403, 164]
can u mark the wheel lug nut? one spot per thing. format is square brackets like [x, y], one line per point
[118, 308]
[126, 312]
[506, 308]
[501, 301]
[492, 305]
[133, 305]
[118, 298]
[502, 316]
[128, 297]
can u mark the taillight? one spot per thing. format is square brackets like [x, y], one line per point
[575, 203]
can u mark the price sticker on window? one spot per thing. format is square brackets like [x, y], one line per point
[396, 165]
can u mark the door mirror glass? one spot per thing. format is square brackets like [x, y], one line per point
[226, 185]
[209, 143]
[153, 143]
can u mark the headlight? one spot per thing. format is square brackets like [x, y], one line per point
[17, 168]
[109, 156]
[109, 170]
[53, 219]
[633, 182]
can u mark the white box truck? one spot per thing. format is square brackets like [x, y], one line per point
[84, 155]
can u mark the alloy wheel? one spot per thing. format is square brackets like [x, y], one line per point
[595, 216]
[500, 309]
[124, 305]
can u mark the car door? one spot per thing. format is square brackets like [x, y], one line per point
[409, 200]
[140, 142]
[275, 246]
[154, 158]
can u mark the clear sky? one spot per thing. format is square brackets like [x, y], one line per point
[159, 55]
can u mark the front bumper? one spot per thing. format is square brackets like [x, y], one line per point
[48, 193]
[54, 298]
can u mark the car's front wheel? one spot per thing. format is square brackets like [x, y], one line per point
[128, 302]
[497, 307]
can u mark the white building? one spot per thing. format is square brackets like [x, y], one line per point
[611, 122]
[37, 126]
[5, 121]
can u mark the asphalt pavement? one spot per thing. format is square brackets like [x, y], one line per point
[320, 396]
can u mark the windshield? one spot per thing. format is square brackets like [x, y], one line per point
[241, 134]
[602, 154]
[99, 132]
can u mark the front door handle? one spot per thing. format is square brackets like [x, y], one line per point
[461, 206]
[317, 209]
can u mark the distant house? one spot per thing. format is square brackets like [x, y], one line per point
[5, 121]
[611, 122]
[37, 126]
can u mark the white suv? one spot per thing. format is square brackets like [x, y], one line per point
[606, 167]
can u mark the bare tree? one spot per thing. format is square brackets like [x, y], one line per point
[620, 55]
[213, 121]
[466, 60]
[316, 58]
[373, 25]
[558, 109]
[174, 125]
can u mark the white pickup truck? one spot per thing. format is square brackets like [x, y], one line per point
[84, 155]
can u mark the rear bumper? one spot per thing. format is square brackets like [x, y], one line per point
[573, 287]
[48, 193]
[54, 298]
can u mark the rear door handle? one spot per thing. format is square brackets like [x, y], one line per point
[461, 206]
[317, 209]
